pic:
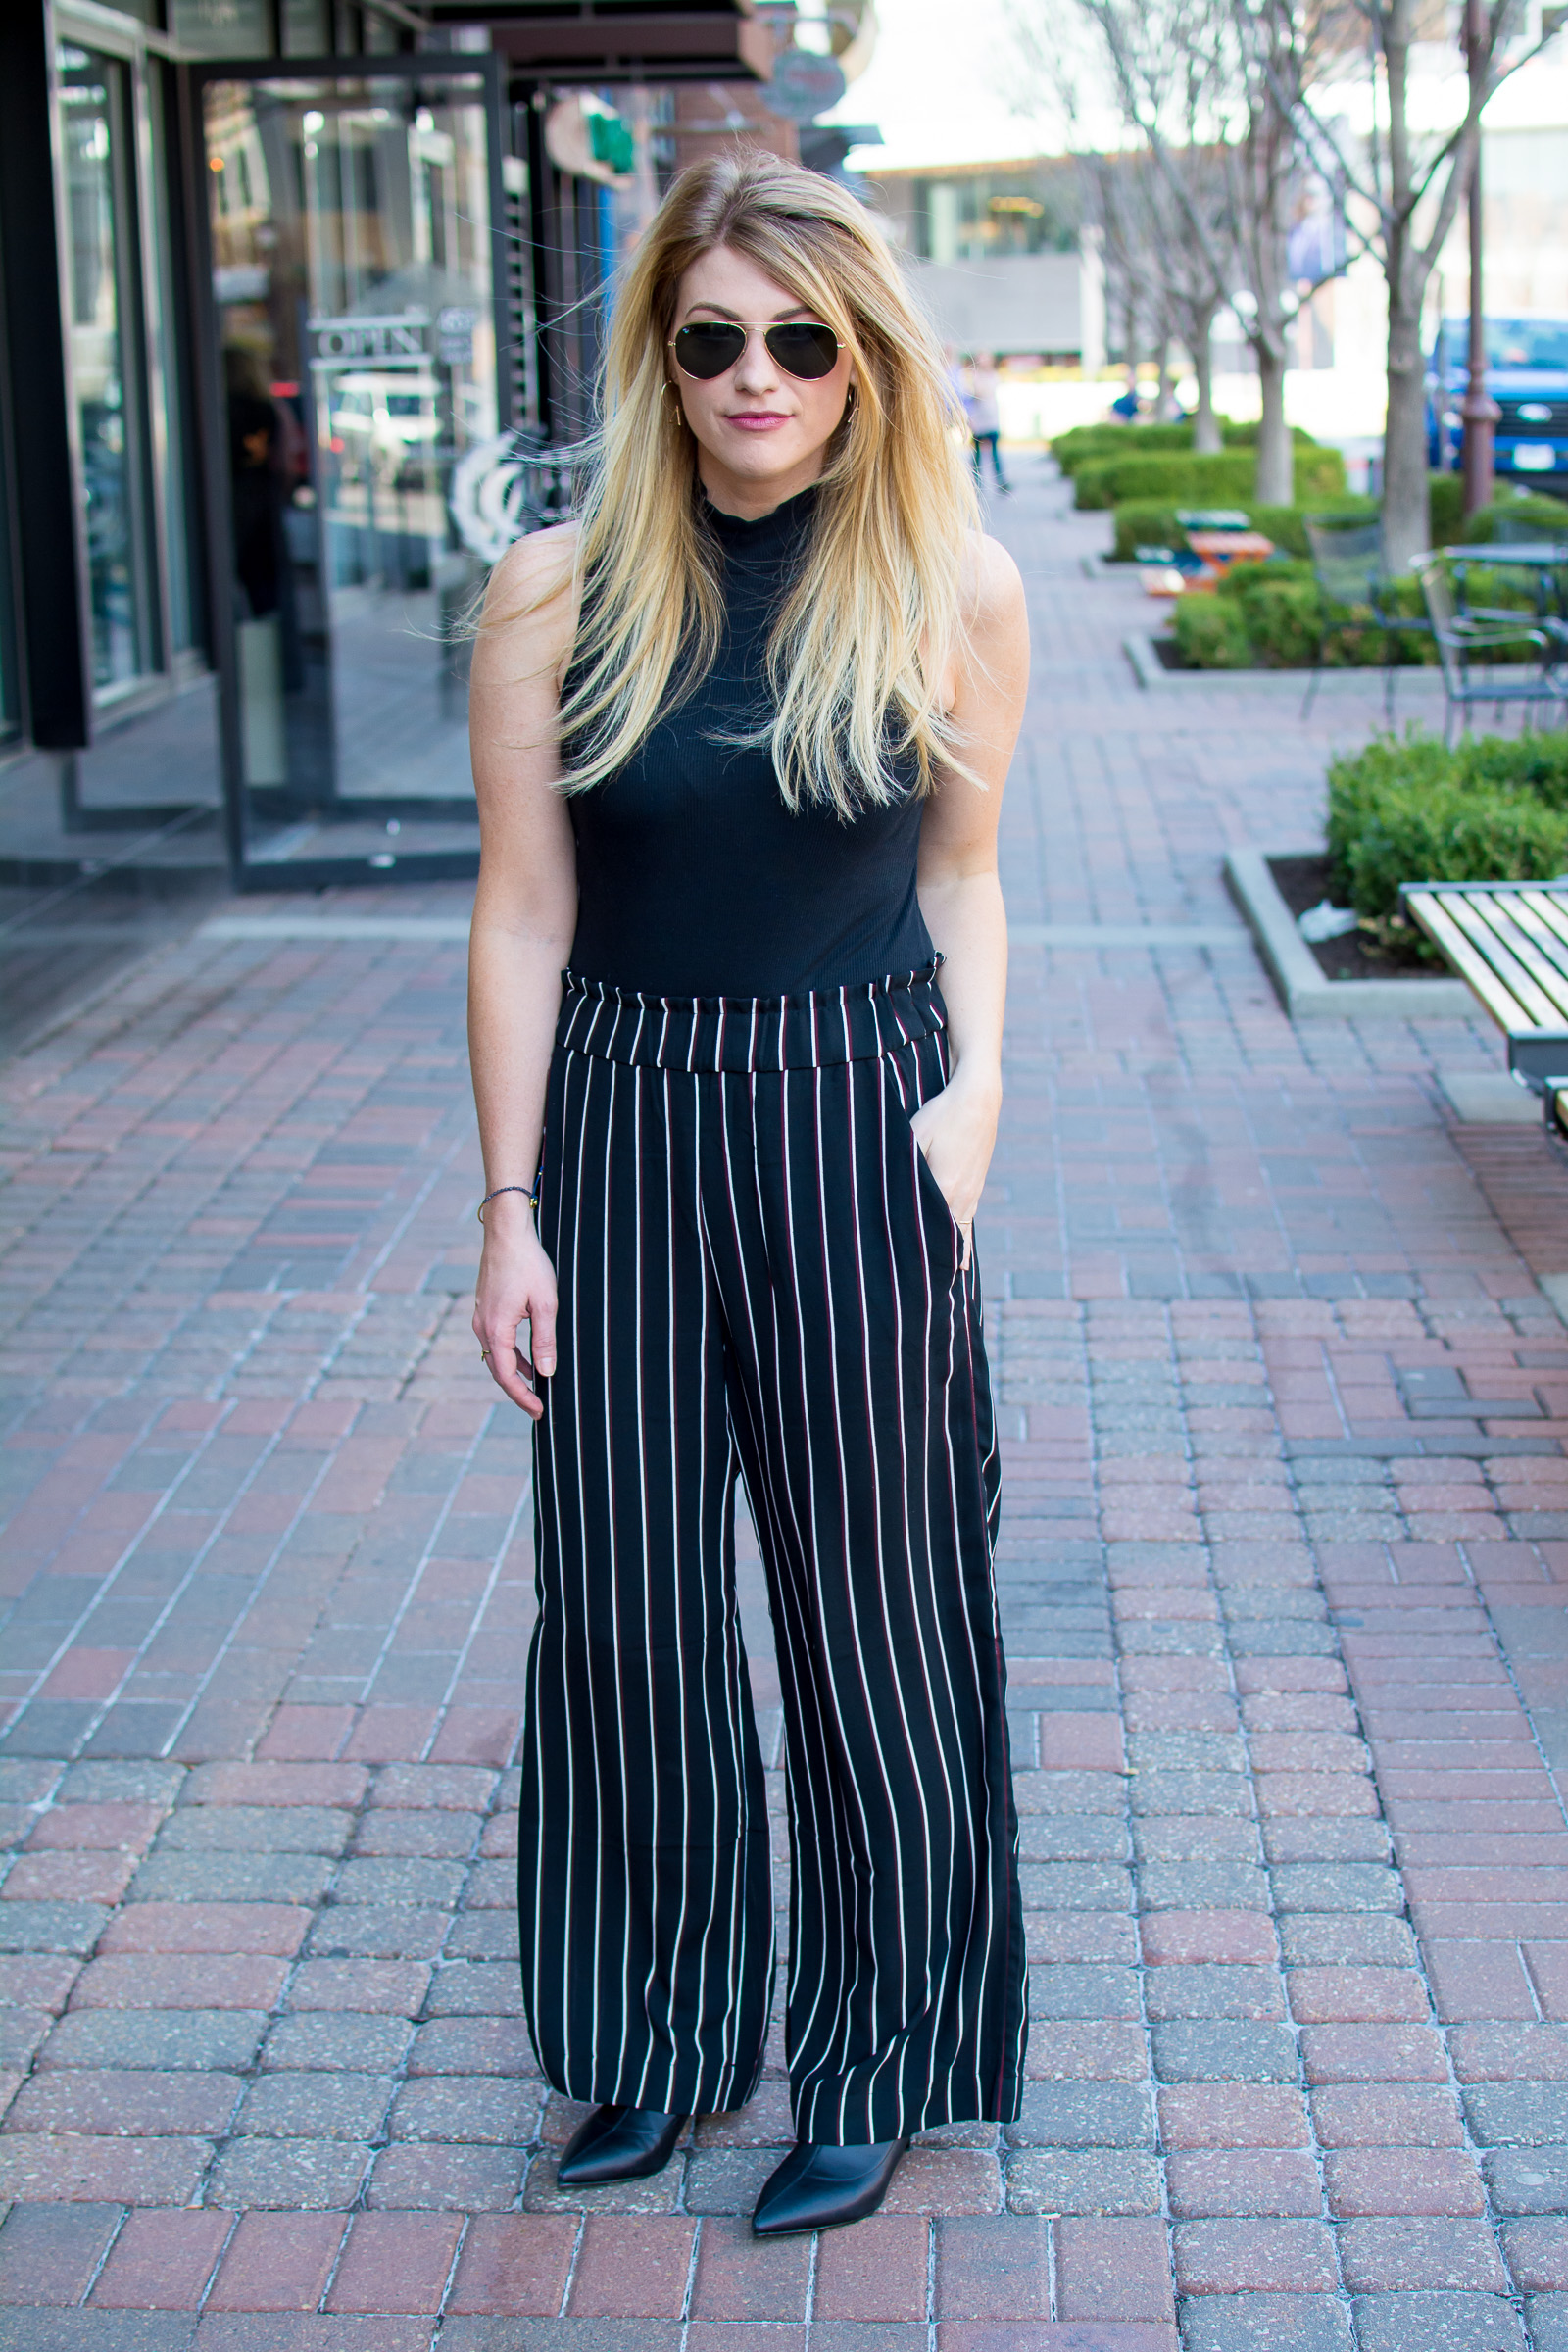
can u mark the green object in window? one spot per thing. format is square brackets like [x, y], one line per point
[611, 142]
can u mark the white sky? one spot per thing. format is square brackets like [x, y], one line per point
[936, 88]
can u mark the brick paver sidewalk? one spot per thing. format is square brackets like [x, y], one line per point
[1283, 1568]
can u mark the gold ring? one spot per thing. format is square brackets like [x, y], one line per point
[484, 1355]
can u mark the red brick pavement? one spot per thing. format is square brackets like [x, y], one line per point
[1283, 1571]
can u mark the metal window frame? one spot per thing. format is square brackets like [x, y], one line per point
[142, 336]
[439, 64]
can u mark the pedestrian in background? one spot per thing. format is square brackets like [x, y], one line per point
[985, 417]
[740, 736]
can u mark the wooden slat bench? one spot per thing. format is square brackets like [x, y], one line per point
[1509, 940]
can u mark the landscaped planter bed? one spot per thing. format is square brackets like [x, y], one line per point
[1306, 989]
[1155, 672]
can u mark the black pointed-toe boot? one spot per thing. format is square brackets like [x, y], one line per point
[818, 2187]
[619, 2143]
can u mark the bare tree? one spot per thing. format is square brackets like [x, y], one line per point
[1410, 190]
[1132, 292]
[1212, 89]
[1157, 279]
[1193, 299]
[1235, 67]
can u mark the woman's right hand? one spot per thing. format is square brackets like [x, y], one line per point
[517, 1285]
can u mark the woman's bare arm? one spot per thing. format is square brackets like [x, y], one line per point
[525, 916]
[960, 894]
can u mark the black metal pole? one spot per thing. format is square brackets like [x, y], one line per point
[1478, 408]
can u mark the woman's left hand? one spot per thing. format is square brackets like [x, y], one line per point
[957, 1130]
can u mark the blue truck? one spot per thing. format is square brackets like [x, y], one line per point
[1527, 375]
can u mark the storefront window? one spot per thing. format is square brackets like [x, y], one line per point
[306, 29]
[105, 368]
[351, 282]
[223, 27]
[10, 697]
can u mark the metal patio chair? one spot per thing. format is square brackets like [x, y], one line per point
[1350, 569]
[1468, 644]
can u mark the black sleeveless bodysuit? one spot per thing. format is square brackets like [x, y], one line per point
[694, 877]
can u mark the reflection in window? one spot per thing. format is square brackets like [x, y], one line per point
[986, 213]
[223, 27]
[100, 244]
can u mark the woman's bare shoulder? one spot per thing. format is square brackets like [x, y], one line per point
[531, 606]
[534, 571]
[993, 585]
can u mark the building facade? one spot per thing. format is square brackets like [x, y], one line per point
[298, 297]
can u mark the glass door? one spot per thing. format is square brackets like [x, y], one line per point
[355, 361]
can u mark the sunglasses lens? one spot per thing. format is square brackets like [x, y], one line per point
[708, 348]
[804, 350]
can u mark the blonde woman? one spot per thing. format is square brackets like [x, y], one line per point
[740, 735]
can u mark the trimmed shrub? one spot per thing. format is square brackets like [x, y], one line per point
[1548, 515]
[1145, 521]
[1151, 522]
[1085, 441]
[1227, 480]
[1278, 624]
[1177, 477]
[1287, 525]
[1408, 809]
[1211, 634]
[1445, 508]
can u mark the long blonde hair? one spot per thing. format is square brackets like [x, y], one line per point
[856, 658]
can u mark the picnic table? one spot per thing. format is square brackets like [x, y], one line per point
[1217, 546]
[1225, 548]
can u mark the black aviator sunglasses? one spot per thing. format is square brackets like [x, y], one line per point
[710, 347]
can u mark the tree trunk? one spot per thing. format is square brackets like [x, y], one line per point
[1406, 515]
[1276, 469]
[1164, 398]
[1207, 436]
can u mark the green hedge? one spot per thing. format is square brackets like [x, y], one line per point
[1184, 480]
[1274, 617]
[1271, 616]
[1151, 521]
[1408, 809]
[1087, 441]
[1548, 515]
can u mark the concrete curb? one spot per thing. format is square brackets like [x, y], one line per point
[1305, 992]
[1154, 678]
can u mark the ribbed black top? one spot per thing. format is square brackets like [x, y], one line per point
[694, 877]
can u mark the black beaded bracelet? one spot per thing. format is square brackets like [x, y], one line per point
[532, 1197]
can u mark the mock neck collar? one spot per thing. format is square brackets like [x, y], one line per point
[778, 529]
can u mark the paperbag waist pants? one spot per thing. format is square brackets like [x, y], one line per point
[759, 1277]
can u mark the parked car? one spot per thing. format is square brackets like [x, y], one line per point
[388, 418]
[1527, 375]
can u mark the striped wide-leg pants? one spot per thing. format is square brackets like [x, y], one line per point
[759, 1277]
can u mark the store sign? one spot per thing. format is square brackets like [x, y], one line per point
[804, 86]
[405, 341]
[454, 336]
[506, 486]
